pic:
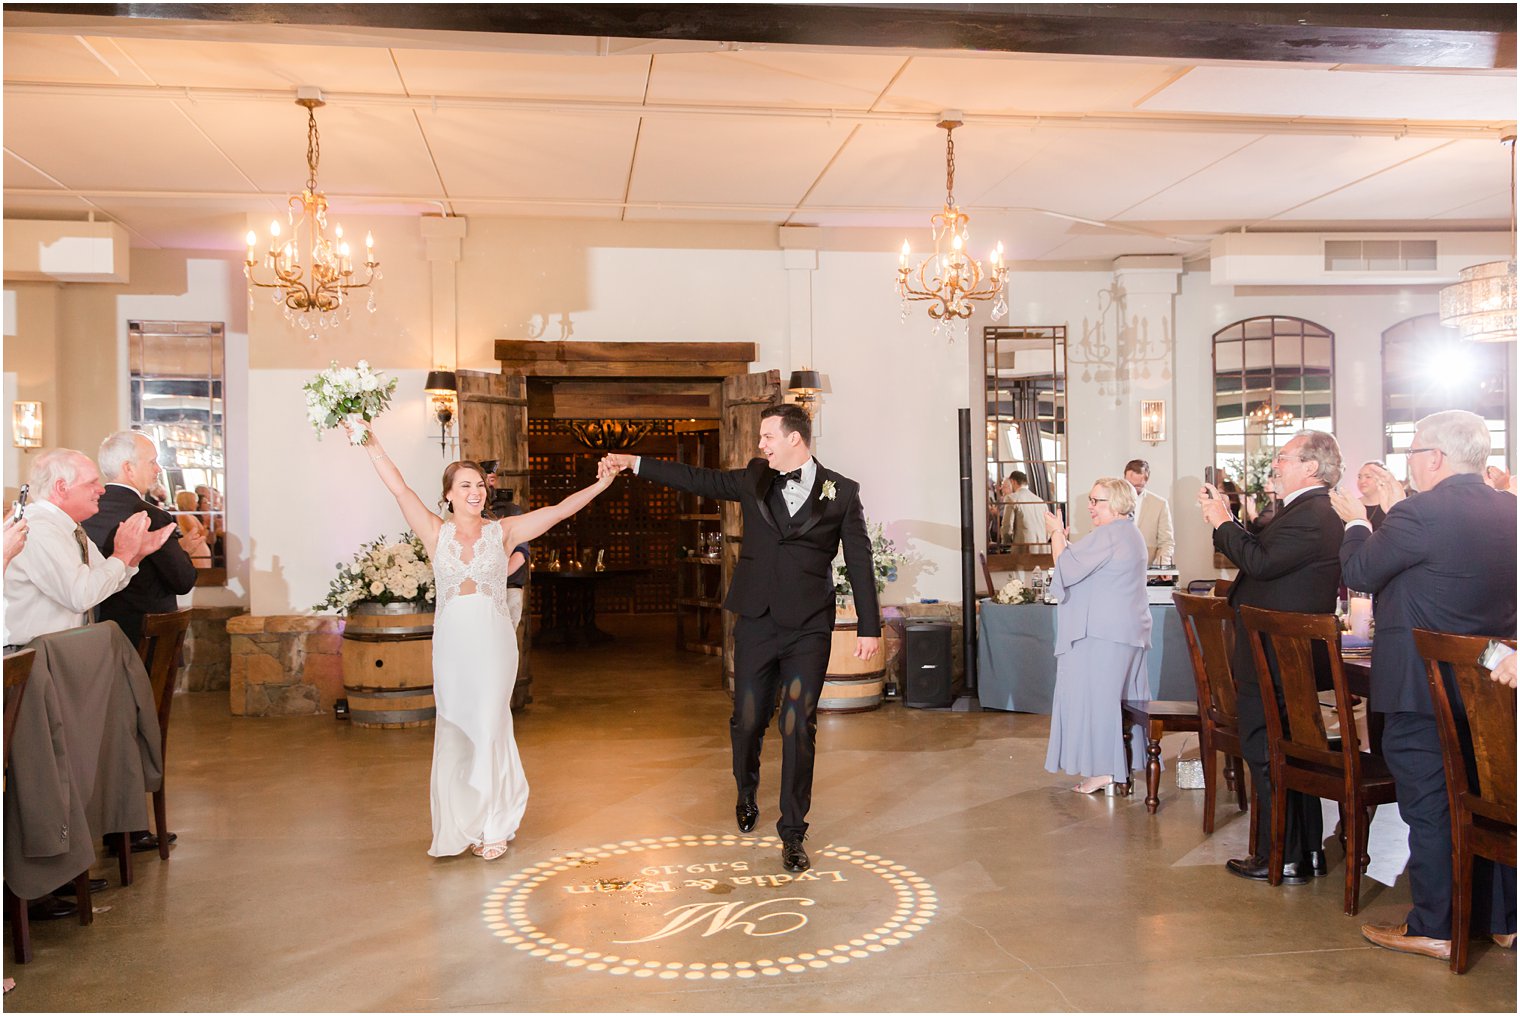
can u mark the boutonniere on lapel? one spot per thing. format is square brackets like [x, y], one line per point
[828, 491]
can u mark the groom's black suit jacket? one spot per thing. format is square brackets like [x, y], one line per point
[161, 576]
[786, 568]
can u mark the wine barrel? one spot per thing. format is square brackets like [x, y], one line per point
[388, 665]
[851, 685]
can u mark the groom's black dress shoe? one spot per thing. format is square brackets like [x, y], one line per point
[793, 857]
[1318, 867]
[746, 812]
[1255, 868]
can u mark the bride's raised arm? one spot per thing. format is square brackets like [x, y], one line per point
[531, 525]
[423, 522]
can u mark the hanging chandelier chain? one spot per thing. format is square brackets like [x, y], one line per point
[313, 149]
[950, 167]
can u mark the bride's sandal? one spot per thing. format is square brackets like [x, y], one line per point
[491, 851]
[476, 849]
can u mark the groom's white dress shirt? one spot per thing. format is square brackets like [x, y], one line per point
[49, 586]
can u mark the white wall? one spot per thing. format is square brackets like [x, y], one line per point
[888, 416]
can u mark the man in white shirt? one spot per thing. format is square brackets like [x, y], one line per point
[59, 577]
[1153, 516]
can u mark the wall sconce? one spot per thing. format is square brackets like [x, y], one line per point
[806, 386]
[26, 424]
[1153, 421]
[442, 388]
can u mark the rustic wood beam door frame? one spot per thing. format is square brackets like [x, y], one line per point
[651, 381]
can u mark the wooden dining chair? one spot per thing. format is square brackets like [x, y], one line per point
[1480, 785]
[163, 640]
[18, 667]
[1301, 754]
[1208, 623]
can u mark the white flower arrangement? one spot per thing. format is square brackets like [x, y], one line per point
[1014, 591]
[382, 572]
[356, 394]
[827, 492]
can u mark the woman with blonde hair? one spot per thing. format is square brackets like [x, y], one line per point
[1378, 491]
[1103, 629]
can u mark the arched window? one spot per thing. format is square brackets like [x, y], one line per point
[1272, 376]
[1428, 368]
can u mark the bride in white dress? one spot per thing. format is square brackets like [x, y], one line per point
[478, 791]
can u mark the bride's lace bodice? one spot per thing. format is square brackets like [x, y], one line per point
[488, 567]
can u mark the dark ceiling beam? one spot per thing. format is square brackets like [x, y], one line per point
[1478, 36]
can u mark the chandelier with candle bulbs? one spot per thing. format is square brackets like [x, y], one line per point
[312, 272]
[950, 278]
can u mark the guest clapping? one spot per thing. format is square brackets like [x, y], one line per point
[1103, 629]
[60, 575]
[1379, 491]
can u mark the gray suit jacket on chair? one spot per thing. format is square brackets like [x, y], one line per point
[1099, 587]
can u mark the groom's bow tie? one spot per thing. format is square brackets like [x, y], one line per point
[795, 474]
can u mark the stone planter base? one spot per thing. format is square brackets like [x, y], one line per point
[285, 665]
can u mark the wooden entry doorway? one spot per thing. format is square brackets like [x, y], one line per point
[659, 381]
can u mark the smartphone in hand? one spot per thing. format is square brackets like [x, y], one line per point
[20, 508]
[1209, 476]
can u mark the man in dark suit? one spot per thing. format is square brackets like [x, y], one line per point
[796, 515]
[1293, 565]
[1444, 560]
[129, 462]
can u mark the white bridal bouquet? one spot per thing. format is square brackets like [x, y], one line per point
[382, 573]
[356, 394]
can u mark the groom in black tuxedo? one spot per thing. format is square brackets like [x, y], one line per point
[796, 515]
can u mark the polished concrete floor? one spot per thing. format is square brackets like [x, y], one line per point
[952, 874]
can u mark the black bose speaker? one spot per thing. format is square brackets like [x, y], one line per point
[926, 665]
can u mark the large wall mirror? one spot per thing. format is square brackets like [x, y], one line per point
[1025, 370]
[1273, 376]
[1428, 368]
[178, 399]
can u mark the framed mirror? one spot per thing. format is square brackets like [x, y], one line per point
[177, 383]
[1273, 376]
[1025, 373]
[1428, 368]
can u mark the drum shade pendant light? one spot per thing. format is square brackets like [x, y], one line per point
[1481, 306]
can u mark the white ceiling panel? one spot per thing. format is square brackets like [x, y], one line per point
[536, 210]
[753, 160]
[1445, 181]
[261, 65]
[116, 143]
[20, 174]
[365, 149]
[523, 75]
[902, 165]
[68, 58]
[180, 226]
[752, 77]
[1098, 174]
[1276, 173]
[1339, 92]
[1104, 246]
[1004, 84]
[485, 153]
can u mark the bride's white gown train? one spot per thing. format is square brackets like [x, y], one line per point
[479, 792]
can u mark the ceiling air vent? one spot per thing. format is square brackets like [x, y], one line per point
[1380, 255]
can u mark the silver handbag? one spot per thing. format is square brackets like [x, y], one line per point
[1189, 773]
